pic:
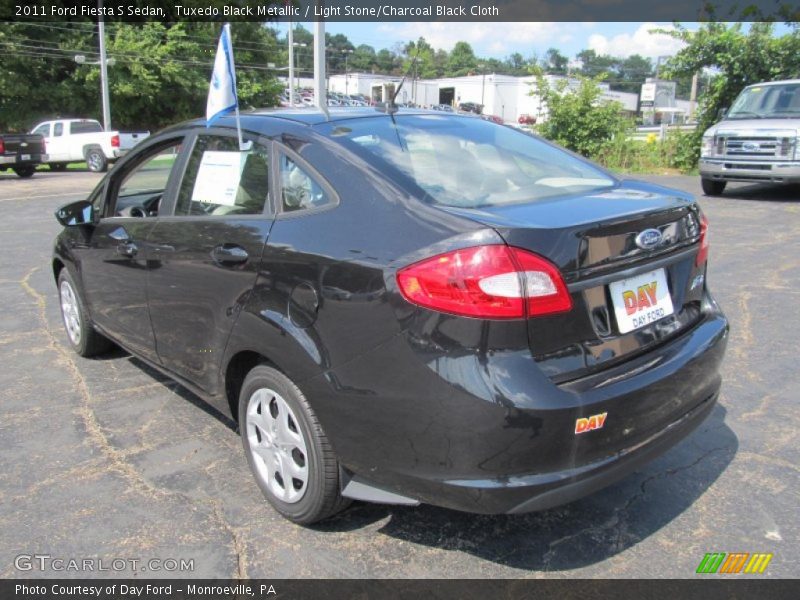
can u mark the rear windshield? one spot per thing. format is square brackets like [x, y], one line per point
[467, 162]
[85, 127]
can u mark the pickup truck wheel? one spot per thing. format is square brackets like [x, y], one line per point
[95, 160]
[81, 336]
[25, 172]
[57, 166]
[712, 187]
[288, 453]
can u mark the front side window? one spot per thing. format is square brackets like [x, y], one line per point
[222, 180]
[43, 130]
[299, 190]
[467, 162]
[58, 129]
[141, 188]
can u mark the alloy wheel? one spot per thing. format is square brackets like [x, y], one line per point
[277, 445]
[71, 312]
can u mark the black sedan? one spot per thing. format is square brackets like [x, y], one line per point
[402, 307]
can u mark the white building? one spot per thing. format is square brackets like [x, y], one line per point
[505, 96]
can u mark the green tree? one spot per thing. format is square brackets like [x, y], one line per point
[579, 119]
[739, 59]
[461, 61]
[555, 62]
[363, 59]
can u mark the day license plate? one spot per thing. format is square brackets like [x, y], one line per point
[24, 156]
[641, 300]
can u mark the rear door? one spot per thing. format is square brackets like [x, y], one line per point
[207, 252]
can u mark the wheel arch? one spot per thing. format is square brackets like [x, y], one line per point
[58, 266]
[239, 365]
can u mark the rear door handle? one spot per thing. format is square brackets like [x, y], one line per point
[229, 254]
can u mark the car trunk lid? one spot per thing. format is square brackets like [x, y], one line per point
[592, 239]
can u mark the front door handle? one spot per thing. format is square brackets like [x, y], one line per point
[229, 254]
[127, 249]
[126, 246]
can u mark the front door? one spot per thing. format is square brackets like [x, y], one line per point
[115, 260]
[207, 252]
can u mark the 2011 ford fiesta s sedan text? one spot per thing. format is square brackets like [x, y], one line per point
[402, 307]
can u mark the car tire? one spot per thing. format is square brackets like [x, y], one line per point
[96, 161]
[712, 187]
[25, 172]
[287, 450]
[81, 335]
[57, 166]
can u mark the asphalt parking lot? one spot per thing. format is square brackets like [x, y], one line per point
[107, 459]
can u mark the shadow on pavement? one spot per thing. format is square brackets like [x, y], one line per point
[762, 193]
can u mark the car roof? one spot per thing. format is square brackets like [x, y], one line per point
[781, 82]
[313, 116]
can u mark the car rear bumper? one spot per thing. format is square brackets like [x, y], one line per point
[34, 159]
[750, 171]
[491, 434]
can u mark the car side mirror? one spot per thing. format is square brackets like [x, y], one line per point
[721, 113]
[76, 213]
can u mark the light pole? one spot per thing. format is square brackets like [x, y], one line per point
[104, 63]
[346, 52]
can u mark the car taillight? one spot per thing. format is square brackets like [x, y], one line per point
[702, 253]
[2, 147]
[44, 146]
[115, 141]
[490, 282]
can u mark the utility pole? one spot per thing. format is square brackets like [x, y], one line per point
[693, 95]
[290, 38]
[320, 94]
[104, 69]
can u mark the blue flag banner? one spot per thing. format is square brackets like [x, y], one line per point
[222, 96]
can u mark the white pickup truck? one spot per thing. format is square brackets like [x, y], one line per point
[77, 140]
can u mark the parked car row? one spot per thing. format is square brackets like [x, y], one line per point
[305, 97]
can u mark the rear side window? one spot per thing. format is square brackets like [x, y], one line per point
[299, 190]
[58, 129]
[85, 127]
[221, 180]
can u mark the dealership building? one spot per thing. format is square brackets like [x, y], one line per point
[505, 96]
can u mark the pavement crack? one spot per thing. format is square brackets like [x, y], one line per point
[116, 458]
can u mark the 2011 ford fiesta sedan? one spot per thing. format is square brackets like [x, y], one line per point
[402, 307]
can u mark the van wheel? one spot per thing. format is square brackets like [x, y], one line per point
[96, 161]
[25, 172]
[83, 338]
[288, 453]
[712, 187]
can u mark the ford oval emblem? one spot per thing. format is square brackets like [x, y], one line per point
[648, 239]
[751, 146]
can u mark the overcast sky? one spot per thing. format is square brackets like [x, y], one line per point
[498, 40]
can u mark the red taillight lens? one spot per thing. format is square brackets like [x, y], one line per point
[490, 282]
[702, 253]
[115, 141]
[44, 146]
[2, 147]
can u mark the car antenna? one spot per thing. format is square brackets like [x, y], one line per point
[390, 107]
